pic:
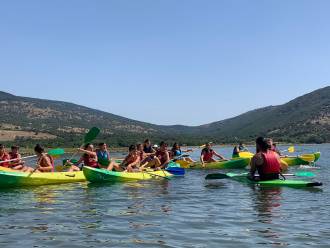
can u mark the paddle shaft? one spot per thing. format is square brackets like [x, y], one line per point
[10, 160]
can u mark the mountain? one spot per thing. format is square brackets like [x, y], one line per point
[304, 119]
[27, 120]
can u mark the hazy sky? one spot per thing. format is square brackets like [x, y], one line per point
[165, 61]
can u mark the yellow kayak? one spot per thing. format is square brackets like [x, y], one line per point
[14, 178]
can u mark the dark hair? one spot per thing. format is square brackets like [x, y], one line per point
[2, 146]
[39, 149]
[162, 143]
[146, 141]
[132, 148]
[87, 145]
[14, 147]
[101, 144]
[139, 145]
[262, 142]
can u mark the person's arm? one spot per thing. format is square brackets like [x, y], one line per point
[284, 165]
[88, 152]
[218, 155]
[202, 158]
[256, 161]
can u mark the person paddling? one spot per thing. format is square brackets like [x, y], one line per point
[17, 164]
[4, 156]
[132, 160]
[176, 152]
[239, 148]
[208, 153]
[265, 161]
[45, 162]
[89, 158]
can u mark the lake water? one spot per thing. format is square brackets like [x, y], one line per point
[182, 212]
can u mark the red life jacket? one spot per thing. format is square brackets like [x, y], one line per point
[271, 164]
[5, 157]
[162, 156]
[207, 154]
[90, 161]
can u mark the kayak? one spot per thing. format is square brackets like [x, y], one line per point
[303, 159]
[101, 175]
[21, 179]
[237, 163]
[299, 160]
[242, 177]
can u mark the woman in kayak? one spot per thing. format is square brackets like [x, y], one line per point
[132, 160]
[162, 155]
[16, 164]
[89, 158]
[176, 152]
[147, 147]
[4, 156]
[208, 153]
[45, 162]
[265, 161]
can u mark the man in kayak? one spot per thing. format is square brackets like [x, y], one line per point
[45, 162]
[4, 156]
[16, 164]
[273, 146]
[265, 161]
[239, 148]
[208, 153]
[147, 147]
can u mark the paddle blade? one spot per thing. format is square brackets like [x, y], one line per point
[291, 149]
[176, 171]
[216, 176]
[91, 135]
[56, 152]
[304, 174]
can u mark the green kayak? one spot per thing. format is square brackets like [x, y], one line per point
[101, 175]
[236, 163]
[242, 177]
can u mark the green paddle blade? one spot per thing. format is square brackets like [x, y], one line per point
[91, 135]
[216, 176]
[304, 174]
[56, 152]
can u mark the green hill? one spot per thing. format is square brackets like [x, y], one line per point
[28, 120]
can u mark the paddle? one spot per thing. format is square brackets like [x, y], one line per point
[222, 175]
[54, 152]
[88, 138]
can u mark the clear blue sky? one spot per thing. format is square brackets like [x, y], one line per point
[165, 61]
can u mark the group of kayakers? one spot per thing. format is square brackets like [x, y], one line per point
[144, 155]
[13, 159]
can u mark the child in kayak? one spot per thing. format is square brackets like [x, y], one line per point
[208, 153]
[265, 161]
[89, 158]
[17, 164]
[163, 156]
[4, 156]
[176, 152]
[45, 162]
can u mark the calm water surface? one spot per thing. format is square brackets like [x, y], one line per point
[182, 212]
